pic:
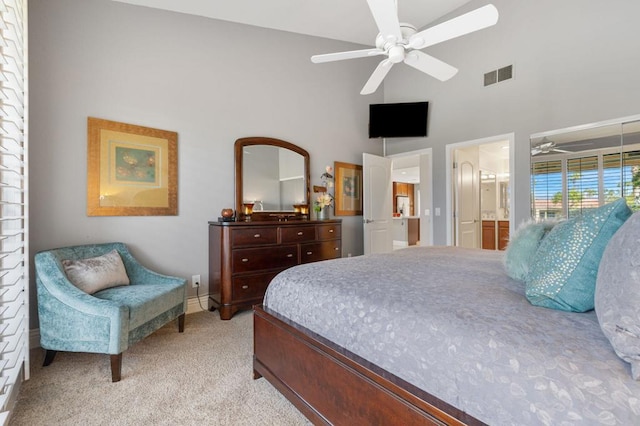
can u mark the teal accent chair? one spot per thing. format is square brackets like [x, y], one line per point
[110, 320]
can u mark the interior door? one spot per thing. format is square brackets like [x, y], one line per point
[467, 210]
[377, 208]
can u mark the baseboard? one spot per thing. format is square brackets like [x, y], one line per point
[192, 307]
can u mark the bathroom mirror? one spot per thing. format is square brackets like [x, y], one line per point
[273, 175]
[488, 194]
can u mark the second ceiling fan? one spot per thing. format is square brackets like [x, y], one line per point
[401, 42]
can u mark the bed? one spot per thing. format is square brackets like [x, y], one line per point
[437, 335]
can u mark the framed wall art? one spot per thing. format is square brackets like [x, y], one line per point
[348, 194]
[131, 170]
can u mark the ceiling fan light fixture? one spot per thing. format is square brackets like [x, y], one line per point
[396, 54]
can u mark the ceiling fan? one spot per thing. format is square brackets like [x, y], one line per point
[401, 42]
[546, 146]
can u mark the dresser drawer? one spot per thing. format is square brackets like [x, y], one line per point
[297, 234]
[253, 236]
[256, 259]
[324, 250]
[247, 287]
[329, 232]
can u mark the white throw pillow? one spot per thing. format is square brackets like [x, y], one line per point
[617, 297]
[97, 273]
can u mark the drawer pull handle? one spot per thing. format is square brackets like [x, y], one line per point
[300, 233]
[337, 248]
[309, 252]
[289, 255]
[256, 235]
[330, 231]
[245, 260]
[244, 287]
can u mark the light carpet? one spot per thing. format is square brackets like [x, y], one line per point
[201, 376]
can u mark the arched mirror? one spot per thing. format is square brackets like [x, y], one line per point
[272, 175]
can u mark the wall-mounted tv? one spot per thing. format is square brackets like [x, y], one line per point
[398, 120]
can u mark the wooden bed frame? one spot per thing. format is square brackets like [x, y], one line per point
[331, 385]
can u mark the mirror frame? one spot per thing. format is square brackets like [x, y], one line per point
[259, 140]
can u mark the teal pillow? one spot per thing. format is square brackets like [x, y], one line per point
[564, 270]
[522, 247]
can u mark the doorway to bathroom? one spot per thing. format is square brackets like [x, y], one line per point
[478, 192]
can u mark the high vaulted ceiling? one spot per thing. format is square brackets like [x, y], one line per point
[347, 20]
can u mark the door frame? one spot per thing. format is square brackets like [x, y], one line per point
[423, 205]
[449, 149]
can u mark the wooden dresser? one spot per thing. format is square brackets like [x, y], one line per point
[245, 256]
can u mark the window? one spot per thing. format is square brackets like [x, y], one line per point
[567, 187]
[14, 267]
[573, 171]
[546, 189]
[582, 185]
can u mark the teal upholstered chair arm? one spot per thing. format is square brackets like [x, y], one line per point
[61, 306]
[139, 274]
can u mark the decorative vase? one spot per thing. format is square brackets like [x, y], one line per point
[323, 213]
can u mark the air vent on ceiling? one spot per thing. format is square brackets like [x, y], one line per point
[496, 76]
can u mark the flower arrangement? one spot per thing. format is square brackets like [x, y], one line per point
[323, 200]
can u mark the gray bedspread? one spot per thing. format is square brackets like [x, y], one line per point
[451, 322]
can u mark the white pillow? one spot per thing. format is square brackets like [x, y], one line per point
[617, 297]
[97, 273]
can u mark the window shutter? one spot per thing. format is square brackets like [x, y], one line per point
[582, 185]
[547, 194]
[631, 179]
[14, 259]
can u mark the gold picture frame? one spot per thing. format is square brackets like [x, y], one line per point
[348, 196]
[131, 170]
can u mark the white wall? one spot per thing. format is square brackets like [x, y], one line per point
[212, 82]
[575, 62]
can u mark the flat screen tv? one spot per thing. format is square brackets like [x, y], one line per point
[398, 120]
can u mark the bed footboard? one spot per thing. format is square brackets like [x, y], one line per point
[330, 385]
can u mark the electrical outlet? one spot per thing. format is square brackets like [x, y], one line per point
[195, 281]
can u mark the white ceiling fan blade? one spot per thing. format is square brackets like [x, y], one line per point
[478, 19]
[430, 65]
[385, 14]
[376, 78]
[330, 57]
[535, 151]
[559, 150]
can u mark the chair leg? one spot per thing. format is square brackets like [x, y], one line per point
[116, 367]
[48, 357]
[181, 323]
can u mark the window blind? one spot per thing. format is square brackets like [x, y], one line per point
[14, 259]
[631, 179]
[612, 176]
[582, 185]
[547, 189]
[570, 186]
